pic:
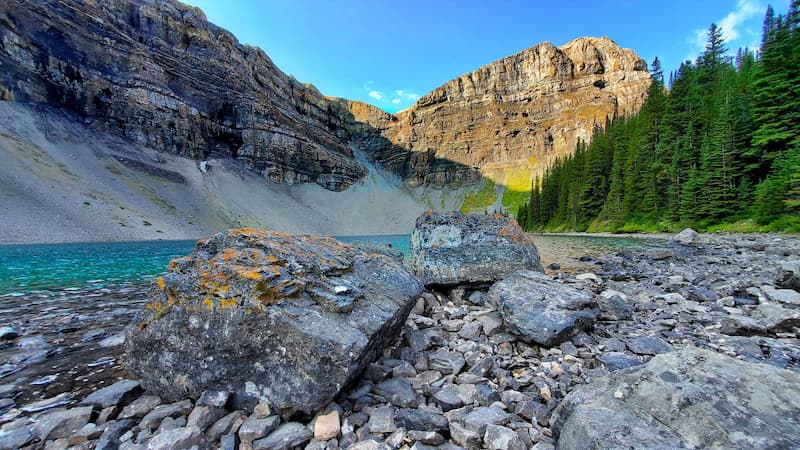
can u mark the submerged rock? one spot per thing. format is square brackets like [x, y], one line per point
[541, 310]
[663, 403]
[289, 320]
[453, 248]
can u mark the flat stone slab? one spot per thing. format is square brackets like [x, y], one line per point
[541, 310]
[690, 398]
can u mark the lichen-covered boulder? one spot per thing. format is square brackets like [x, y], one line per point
[692, 398]
[290, 320]
[451, 248]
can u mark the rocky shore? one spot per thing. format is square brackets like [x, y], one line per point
[694, 344]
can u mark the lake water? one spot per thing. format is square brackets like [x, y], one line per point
[77, 266]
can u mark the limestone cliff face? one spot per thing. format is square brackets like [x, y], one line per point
[512, 117]
[159, 73]
[162, 75]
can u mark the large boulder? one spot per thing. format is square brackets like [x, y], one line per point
[452, 248]
[541, 310]
[290, 320]
[691, 398]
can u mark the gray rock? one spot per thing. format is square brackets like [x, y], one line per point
[479, 418]
[6, 404]
[765, 319]
[477, 298]
[381, 420]
[501, 438]
[540, 310]
[61, 424]
[113, 340]
[397, 391]
[446, 362]
[202, 416]
[15, 438]
[213, 398]
[420, 340]
[8, 333]
[648, 345]
[491, 322]
[184, 438]
[254, 428]
[140, 407]
[788, 296]
[287, 436]
[659, 253]
[225, 425]
[415, 419]
[686, 237]
[614, 307]
[691, 398]
[159, 413]
[94, 335]
[289, 320]
[229, 442]
[464, 437]
[448, 398]
[110, 439]
[370, 444]
[789, 275]
[617, 360]
[426, 437]
[118, 394]
[59, 400]
[451, 248]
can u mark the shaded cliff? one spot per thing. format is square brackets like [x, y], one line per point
[160, 74]
[513, 117]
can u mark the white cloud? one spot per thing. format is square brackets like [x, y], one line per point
[745, 9]
[405, 95]
[375, 94]
[396, 101]
[730, 25]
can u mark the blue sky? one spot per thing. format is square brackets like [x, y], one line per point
[389, 52]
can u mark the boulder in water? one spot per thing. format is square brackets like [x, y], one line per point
[290, 320]
[451, 248]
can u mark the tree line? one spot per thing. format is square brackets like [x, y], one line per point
[719, 147]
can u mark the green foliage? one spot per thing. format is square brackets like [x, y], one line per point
[719, 150]
[480, 200]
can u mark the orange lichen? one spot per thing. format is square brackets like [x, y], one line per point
[250, 274]
[227, 303]
[160, 282]
[208, 303]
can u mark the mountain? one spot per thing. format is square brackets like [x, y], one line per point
[173, 85]
[515, 116]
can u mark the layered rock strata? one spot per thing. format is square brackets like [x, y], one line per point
[513, 117]
[159, 73]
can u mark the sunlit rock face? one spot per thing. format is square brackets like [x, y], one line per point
[512, 117]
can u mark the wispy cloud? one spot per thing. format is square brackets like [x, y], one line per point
[731, 26]
[396, 101]
[375, 94]
[406, 95]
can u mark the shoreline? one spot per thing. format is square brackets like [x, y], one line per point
[670, 297]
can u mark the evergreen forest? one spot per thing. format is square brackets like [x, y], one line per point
[715, 147]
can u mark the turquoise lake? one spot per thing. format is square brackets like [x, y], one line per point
[30, 268]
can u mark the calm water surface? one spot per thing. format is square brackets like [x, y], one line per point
[78, 266]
